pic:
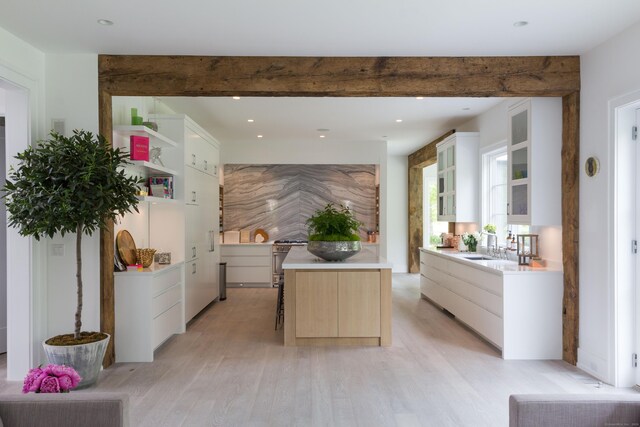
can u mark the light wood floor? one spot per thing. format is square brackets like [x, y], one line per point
[231, 369]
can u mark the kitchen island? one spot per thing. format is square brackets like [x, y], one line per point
[516, 308]
[336, 303]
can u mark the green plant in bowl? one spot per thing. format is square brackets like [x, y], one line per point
[333, 233]
[490, 228]
[333, 224]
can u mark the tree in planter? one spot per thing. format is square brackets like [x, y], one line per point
[69, 185]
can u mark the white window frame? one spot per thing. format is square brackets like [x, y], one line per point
[486, 154]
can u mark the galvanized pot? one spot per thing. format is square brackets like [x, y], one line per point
[334, 251]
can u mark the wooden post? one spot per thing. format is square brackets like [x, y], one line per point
[570, 224]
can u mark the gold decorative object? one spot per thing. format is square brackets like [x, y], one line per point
[527, 248]
[145, 256]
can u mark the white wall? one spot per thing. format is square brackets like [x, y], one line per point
[72, 95]
[608, 72]
[397, 212]
[22, 76]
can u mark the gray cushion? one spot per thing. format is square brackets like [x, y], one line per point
[65, 409]
[574, 410]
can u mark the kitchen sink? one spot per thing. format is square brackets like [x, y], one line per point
[478, 258]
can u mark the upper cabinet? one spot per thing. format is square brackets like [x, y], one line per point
[457, 177]
[534, 152]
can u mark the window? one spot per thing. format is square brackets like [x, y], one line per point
[494, 190]
[432, 229]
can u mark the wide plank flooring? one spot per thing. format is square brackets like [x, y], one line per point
[231, 369]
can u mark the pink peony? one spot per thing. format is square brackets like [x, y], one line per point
[51, 379]
[50, 385]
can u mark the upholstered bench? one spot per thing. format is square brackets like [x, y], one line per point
[574, 410]
[75, 409]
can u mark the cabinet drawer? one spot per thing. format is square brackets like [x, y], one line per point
[247, 261]
[249, 250]
[476, 295]
[437, 262]
[165, 281]
[249, 274]
[488, 281]
[167, 324]
[423, 257]
[166, 300]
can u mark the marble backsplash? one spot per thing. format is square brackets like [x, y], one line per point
[280, 198]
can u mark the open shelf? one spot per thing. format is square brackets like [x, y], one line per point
[155, 139]
[152, 168]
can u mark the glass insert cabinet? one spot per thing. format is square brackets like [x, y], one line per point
[533, 147]
[457, 172]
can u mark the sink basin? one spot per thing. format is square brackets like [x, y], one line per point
[478, 258]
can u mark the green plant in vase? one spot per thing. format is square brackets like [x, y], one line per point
[70, 185]
[471, 240]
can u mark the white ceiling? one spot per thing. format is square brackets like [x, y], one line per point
[348, 119]
[322, 28]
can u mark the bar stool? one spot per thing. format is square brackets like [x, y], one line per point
[280, 304]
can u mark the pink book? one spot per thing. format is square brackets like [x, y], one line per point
[139, 147]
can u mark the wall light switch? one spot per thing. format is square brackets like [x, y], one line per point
[57, 249]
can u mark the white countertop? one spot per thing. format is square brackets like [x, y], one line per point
[495, 266]
[300, 259]
[248, 244]
[154, 270]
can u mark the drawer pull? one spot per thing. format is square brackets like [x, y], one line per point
[206, 166]
[193, 196]
[193, 159]
[194, 251]
[193, 269]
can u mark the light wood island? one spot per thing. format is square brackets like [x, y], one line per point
[336, 303]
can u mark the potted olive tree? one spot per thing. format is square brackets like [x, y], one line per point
[333, 233]
[70, 185]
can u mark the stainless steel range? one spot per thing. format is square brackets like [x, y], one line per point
[280, 250]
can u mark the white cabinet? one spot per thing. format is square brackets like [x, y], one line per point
[248, 264]
[458, 177]
[534, 171]
[520, 312]
[149, 309]
[199, 189]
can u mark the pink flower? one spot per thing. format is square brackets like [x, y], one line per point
[30, 379]
[51, 379]
[50, 385]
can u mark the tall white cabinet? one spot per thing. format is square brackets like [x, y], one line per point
[457, 177]
[200, 191]
[534, 171]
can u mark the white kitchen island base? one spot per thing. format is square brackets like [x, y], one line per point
[516, 308]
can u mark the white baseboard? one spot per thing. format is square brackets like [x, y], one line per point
[594, 365]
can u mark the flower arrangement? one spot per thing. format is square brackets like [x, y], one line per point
[51, 379]
[471, 240]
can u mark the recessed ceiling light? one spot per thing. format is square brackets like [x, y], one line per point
[398, 120]
[384, 136]
[322, 130]
[236, 97]
[259, 136]
[105, 22]
[321, 136]
[466, 109]
[250, 120]
[419, 97]
[520, 23]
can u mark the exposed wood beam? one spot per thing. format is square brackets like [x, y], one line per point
[418, 160]
[339, 76]
[570, 224]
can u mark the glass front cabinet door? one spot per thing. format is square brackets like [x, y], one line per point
[519, 151]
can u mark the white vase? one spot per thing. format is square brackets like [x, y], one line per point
[86, 359]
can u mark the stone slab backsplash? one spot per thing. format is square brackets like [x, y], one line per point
[280, 198]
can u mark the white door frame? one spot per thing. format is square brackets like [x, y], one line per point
[620, 262]
[26, 312]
